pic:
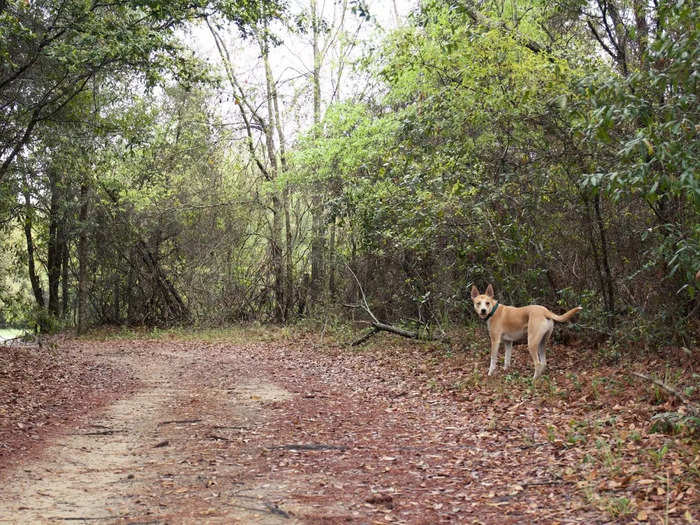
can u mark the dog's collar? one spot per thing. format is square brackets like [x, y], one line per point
[495, 307]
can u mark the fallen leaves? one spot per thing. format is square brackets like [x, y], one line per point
[43, 390]
[401, 433]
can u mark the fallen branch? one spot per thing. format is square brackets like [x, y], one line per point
[692, 408]
[270, 509]
[179, 421]
[365, 337]
[378, 326]
[545, 483]
[274, 509]
[663, 385]
[397, 331]
[101, 433]
[217, 437]
[85, 518]
[312, 446]
[534, 445]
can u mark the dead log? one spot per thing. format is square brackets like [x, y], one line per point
[378, 326]
[693, 409]
[662, 385]
[399, 331]
[365, 337]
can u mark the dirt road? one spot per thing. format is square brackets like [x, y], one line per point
[266, 434]
[156, 455]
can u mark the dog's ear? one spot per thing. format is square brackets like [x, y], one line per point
[489, 291]
[475, 291]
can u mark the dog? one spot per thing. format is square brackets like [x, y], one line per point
[510, 323]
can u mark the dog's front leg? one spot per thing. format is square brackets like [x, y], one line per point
[495, 342]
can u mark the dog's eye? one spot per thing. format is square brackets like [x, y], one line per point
[488, 304]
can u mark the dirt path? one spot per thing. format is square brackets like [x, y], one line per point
[137, 461]
[270, 434]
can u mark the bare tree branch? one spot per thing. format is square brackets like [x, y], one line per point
[377, 325]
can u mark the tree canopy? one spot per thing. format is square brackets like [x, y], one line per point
[549, 148]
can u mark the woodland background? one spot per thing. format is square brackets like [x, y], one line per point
[548, 147]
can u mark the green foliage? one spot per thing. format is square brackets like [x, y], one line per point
[673, 423]
[15, 293]
[179, 198]
[472, 166]
[497, 146]
[647, 125]
[423, 176]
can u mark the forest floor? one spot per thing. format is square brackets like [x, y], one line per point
[278, 427]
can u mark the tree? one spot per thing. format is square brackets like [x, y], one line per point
[646, 123]
[52, 50]
[270, 159]
[54, 53]
[472, 166]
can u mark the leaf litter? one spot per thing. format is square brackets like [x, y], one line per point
[305, 431]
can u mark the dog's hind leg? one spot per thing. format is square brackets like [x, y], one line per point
[532, 346]
[509, 350]
[536, 332]
[541, 348]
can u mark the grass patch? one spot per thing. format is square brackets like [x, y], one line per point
[235, 334]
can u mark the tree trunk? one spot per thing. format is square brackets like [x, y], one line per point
[65, 289]
[317, 231]
[642, 32]
[55, 249]
[609, 285]
[331, 262]
[33, 278]
[353, 292]
[600, 253]
[116, 305]
[130, 298]
[288, 264]
[276, 257]
[288, 248]
[277, 201]
[268, 128]
[81, 325]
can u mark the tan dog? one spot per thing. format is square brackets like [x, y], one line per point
[509, 323]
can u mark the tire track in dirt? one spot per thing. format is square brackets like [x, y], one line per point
[136, 460]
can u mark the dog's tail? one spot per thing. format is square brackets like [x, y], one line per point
[564, 317]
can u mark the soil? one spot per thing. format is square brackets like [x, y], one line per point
[174, 431]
